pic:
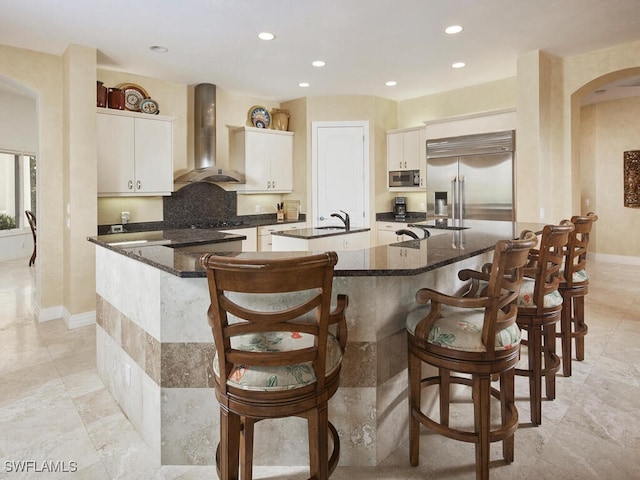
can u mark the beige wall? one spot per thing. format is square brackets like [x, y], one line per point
[79, 183]
[608, 130]
[478, 98]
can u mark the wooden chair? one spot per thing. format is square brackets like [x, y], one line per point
[31, 218]
[274, 358]
[539, 310]
[477, 336]
[573, 288]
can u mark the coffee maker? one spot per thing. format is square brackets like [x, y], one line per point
[400, 208]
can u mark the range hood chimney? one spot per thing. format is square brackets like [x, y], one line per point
[205, 141]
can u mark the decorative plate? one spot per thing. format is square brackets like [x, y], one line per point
[149, 106]
[133, 95]
[259, 117]
[134, 86]
[132, 99]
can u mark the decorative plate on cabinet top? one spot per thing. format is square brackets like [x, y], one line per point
[134, 86]
[259, 117]
[132, 99]
[133, 95]
[149, 106]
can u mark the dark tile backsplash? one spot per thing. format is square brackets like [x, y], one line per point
[198, 202]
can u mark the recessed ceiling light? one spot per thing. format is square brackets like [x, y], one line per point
[391, 83]
[453, 29]
[266, 36]
[303, 84]
[318, 63]
[158, 49]
[458, 64]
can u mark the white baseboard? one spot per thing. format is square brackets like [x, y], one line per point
[79, 320]
[57, 312]
[621, 259]
[46, 314]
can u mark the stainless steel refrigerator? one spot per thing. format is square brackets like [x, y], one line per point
[471, 177]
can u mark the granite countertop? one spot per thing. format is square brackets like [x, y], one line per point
[162, 250]
[311, 233]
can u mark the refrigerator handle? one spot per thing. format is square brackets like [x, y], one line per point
[461, 200]
[454, 199]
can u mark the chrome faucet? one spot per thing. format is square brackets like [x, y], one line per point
[426, 232]
[346, 220]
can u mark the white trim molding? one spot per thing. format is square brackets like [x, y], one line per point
[79, 320]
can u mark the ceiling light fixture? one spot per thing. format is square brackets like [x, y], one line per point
[266, 36]
[303, 84]
[458, 65]
[158, 49]
[453, 29]
[391, 83]
[318, 63]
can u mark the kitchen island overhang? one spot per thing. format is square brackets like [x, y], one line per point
[155, 348]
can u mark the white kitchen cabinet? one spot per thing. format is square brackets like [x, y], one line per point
[407, 256]
[265, 157]
[251, 242]
[407, 150]
[264, 233]
[135, 154]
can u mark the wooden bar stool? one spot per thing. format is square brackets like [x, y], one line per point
[477, 336]
[539, 310]
[573, 288]
[275, 356]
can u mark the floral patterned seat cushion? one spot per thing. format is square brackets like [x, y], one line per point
[461, 329]
[579, 276]
[525, 298]
[285, 377]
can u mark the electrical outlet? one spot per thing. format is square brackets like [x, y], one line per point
[422, 207]
[586, 202]
[257, 208]
[542, 213]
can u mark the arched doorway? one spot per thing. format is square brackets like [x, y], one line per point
[602, 131]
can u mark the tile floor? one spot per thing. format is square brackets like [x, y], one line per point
[54, 407]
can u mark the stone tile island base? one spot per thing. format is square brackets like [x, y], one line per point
[155, 349]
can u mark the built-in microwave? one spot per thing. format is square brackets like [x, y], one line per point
[404, 178]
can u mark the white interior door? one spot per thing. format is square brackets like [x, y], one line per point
[340, 172]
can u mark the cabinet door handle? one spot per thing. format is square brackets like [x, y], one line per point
[138, 185]
[273, 184]
[130, 184]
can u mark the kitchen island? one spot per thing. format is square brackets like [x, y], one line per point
[154, 346]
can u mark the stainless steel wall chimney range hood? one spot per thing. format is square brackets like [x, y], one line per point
[205, 141]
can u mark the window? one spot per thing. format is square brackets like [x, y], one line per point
[17, 189]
